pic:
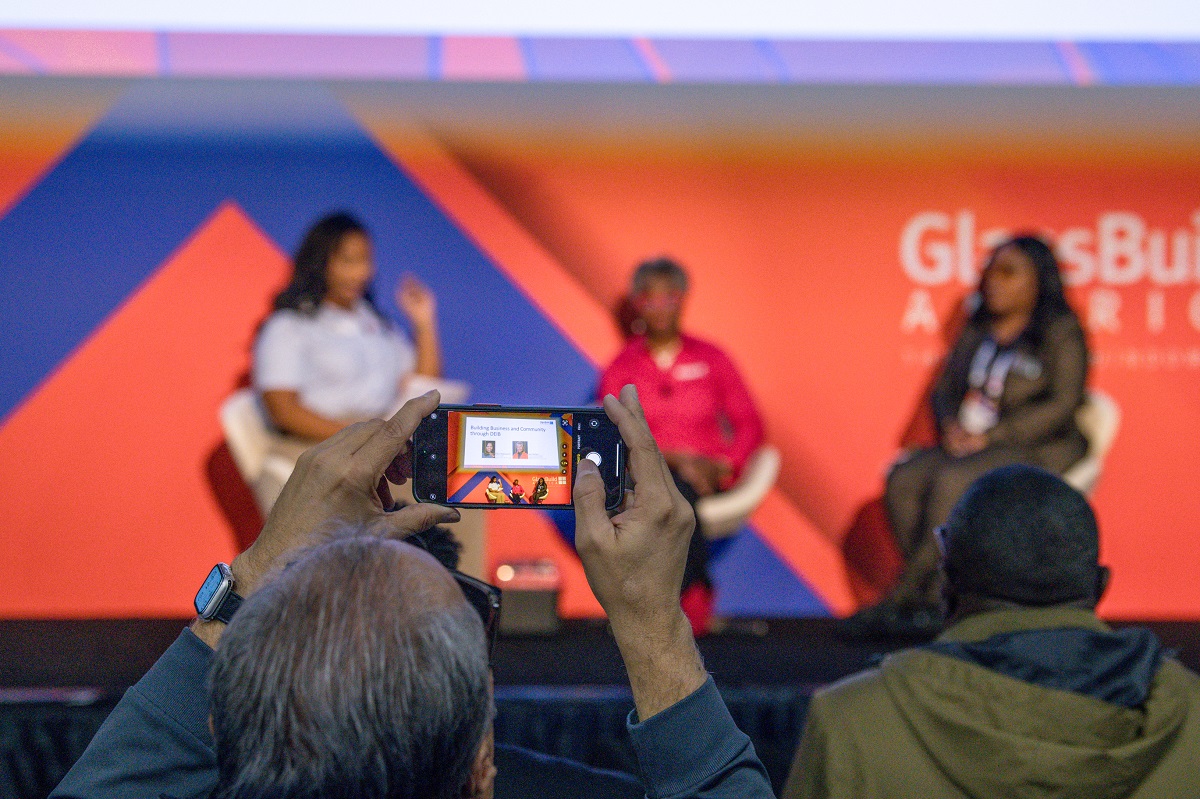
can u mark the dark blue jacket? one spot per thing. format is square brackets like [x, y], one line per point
[156, 742]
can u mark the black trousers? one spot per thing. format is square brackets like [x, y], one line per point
[696, 569]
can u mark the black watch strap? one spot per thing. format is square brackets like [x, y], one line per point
[228, 607]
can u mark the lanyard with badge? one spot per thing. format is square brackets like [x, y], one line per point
[980, 409]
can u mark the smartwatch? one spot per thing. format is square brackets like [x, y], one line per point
[216, 599]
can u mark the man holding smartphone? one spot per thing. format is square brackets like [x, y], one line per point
[157, 740]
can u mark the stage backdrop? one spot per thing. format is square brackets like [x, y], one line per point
[832, 233]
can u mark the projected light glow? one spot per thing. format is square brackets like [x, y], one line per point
[1153, 20]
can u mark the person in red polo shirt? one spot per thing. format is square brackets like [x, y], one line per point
[696, 404]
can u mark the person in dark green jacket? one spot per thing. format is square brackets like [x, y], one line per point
[1027, 694]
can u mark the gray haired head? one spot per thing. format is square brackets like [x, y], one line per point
[361, 671]
[662, 269]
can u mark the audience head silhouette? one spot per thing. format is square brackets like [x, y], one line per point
[1020, 534]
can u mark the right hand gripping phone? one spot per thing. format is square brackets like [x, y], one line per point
[487, 456]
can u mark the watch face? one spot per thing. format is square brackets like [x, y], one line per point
[208, 591]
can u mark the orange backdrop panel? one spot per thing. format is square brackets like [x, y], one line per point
[799, 271]
[144, 530]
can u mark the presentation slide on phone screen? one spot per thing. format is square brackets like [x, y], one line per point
[510, 459]
[489, 442]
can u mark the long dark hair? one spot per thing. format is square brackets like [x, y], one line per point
[307, 287]
[1051, 299]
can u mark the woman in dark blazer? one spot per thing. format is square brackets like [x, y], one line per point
[1008, 393]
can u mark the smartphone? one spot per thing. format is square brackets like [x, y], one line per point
[488, 456]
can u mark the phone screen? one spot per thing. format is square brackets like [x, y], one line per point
[516, 458]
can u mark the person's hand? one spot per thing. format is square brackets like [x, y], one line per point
[417, 302]
[972, 443]
[420, 306]
[341, 481]
[953, 437]
[959, 443]
[634, 563]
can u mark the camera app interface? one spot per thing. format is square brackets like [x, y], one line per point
[512, 459]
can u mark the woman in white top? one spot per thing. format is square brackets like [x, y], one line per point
[327, 357]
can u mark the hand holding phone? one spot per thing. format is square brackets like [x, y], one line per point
[634, 563]
[473, 456]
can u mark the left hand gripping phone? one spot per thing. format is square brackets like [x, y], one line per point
[487, 456]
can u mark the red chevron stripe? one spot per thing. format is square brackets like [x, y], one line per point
[113, 446]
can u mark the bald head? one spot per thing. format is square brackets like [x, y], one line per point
[400, 569]
[361, 665]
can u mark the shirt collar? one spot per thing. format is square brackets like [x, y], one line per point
[981, 626]
[329, 309]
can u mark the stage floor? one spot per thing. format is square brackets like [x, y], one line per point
[112, 654]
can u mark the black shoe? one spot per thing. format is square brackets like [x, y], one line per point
[916, 624]
[872, 623]
[890, 622]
